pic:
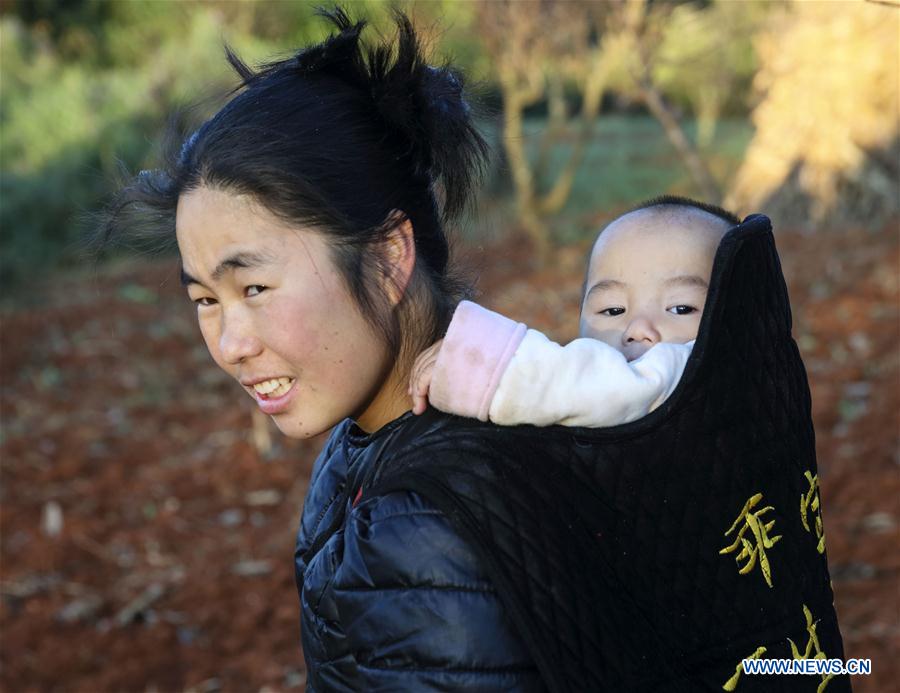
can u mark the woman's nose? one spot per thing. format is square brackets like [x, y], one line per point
[238, 341]
[640, 330]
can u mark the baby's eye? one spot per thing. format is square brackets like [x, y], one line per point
[254, 290]
[682, 310]
[611, 312]
[205, 301]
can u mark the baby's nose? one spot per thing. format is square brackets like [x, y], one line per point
[640, 330]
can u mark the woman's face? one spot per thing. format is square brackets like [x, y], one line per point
[275, 313]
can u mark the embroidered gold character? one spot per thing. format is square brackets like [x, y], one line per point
[809, 505]
[812, 646]
[732, 683]
[756, 549]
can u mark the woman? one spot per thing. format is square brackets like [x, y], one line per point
[312, 241]
[439, 553]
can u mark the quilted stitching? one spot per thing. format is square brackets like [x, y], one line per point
[606, 542]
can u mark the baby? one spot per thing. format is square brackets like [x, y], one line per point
[642, 299]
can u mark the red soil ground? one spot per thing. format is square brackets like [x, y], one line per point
[147, 541]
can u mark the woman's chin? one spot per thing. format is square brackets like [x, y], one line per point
[292, 426]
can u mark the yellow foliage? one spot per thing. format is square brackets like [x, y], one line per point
[829, 73]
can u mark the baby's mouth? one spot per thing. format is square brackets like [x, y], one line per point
[275, 387]
[634, 354]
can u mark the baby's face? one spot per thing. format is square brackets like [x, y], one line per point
[648, 276]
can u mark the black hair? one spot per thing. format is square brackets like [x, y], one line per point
[678, 201]
[349, 140]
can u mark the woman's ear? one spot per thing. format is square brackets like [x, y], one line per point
[399, 260]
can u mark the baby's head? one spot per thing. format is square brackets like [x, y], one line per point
[648, 274]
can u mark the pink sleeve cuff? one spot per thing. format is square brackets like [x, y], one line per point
[476, 351]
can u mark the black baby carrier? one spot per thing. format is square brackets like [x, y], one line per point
[656, 555]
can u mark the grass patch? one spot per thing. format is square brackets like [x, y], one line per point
[628, 160]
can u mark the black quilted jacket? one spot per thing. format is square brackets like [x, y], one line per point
[445, 554]
[393, 598]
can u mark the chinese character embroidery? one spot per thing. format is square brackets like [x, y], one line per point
[809, 505]
[812, 645]
[732, 683]
[754, 550]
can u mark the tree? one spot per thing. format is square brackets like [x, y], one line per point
[644, 28]
[649, 52]
[826, 142]
[537, 48]
[685, 56]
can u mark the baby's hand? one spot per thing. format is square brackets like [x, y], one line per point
[420, 378]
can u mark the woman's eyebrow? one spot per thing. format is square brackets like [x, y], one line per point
[241, 260]
[186, 279]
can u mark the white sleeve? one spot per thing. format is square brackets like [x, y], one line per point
[585, 383]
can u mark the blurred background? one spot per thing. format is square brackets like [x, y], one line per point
[147, 515]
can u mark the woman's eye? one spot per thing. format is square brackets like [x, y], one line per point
[205, 301]
[254, 289]
[682, 310]
[611, 312]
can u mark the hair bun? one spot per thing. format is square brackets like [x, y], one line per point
[338, 54]
[422, 106]
[425, 106]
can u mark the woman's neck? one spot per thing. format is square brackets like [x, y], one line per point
[391, 402]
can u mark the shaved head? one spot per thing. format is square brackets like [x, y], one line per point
[648, 275]
[673, 212]
[677, 201]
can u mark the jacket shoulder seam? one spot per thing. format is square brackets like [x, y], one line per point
[512, 669]
[408, 588]
[429, 512]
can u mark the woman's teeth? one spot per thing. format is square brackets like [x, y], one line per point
[274, 387]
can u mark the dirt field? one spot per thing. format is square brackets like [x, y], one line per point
[147, 533]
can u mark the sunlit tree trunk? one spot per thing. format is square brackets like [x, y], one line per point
[592, 96]
[534, 63]
[645, 35]
[687, 152]
[515, 99]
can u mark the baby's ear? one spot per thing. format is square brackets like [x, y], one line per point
[398, 257]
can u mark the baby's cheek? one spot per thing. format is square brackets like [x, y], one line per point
[585, 328]
[611, 336]
[690, 329]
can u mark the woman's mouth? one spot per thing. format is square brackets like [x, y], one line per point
[273, 395]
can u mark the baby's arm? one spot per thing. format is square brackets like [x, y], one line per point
[584, 383]
[491, 367]
[470, 361]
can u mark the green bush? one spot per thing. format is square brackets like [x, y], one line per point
[87, 86]
[68, 126]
